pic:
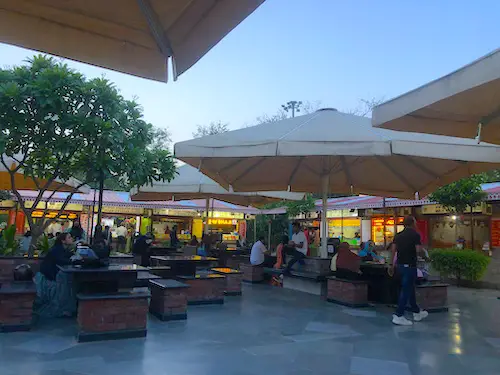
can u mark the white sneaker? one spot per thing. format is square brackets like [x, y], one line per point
[421, 315]
[401, 321]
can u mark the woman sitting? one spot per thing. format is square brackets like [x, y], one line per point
[280, 252]
[55, 297]
[346, 264]
[367, 253]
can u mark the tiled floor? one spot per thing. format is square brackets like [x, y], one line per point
[275, 331]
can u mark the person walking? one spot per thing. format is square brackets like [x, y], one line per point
[121, 237]
[406, 245]
[299, 247]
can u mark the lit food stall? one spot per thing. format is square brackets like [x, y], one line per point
[345, 225]
[390, 229]
[165, 219]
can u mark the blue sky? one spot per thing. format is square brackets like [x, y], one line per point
[331, 51]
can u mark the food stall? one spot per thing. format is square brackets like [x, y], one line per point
[345, 225]
[391, 228]
[165, 219]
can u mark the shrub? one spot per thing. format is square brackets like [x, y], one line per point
[8, 243]
[461, 264]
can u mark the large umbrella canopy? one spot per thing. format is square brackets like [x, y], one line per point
[131, 36]
[23, 182]
[299, 153]
[458, 104]
[189, 183]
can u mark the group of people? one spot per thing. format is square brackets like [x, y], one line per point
[347, 265]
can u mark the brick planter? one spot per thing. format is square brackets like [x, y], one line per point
[313, 264]
[233, 280]
[433, 297]
[347, 292]
[16, 306]
[252, 274]
[8, 264]
[206, 289]
[168, 300]
[112, 316]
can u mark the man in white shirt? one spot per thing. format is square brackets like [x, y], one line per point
[121, 234]
[299, 245]
[258, 255]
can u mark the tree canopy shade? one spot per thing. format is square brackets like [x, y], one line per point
[57, 124]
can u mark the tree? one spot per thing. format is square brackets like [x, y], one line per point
[56, 124]
[460, 195]
[305, 107]
[365, 106]
[215, 127]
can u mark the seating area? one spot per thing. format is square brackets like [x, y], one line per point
[347, 292]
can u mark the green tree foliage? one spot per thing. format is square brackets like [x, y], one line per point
[460, 195]
[5, 195]
[57, 124]
[215, 127]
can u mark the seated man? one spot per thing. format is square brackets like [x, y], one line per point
[298, 245]
[259, 254]
[346, 264]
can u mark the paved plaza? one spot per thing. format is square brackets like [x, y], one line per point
[275, 331]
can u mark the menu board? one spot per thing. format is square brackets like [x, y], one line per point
[495, 233]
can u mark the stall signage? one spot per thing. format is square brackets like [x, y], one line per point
[342, 213]
[122, 210]
[495, 232]
[439, 209]
[213, 221]
[388, 222]
[228, 215]
[168, 211]
[53, 214]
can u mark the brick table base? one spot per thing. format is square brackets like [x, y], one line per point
[347, 292]
[233, 280]
[204, 289]
[16, 306]
[433, 297]
[252, 274]
[168, 300]
[112, 316]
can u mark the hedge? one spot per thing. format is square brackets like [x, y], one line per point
[461, 264]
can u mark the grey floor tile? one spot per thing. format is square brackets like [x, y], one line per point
[370, 366]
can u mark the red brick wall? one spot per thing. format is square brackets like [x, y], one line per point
[432, 297]
[107, 315]
[351, 293]
[251, 273]
[205, 289]
[16, 309]
[168, 301]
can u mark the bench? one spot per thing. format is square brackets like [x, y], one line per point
[352, 293]
[143, 278]
[111, 316]
[433, 296]
[307, 282]
[16, 306]
[168, 299]
[233, 280]
[205, 289]
[252, 274]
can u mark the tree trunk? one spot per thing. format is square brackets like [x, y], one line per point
[472, 227]
[36, 232]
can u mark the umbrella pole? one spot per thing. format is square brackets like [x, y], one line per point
[205, 228]
[269, 234]
[324, 222]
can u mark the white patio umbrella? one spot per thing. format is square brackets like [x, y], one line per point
[189, 183]
[136, 37]
[329, 151]
[465, 103]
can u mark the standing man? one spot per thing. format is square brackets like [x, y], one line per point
[299, 247]
[121, 237]
[406, 244]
